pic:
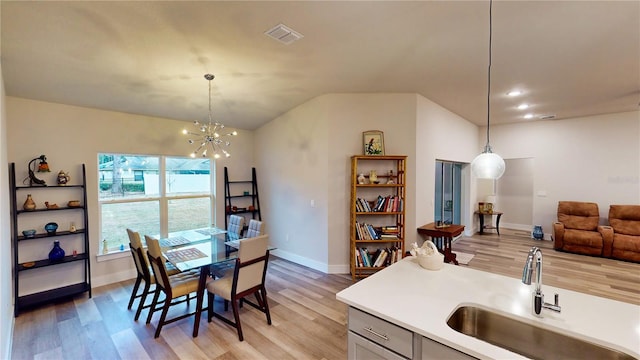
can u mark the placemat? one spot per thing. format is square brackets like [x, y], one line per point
[214, 231]
[174, 241]
[181, 255]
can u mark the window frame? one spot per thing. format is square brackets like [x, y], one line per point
[162, 198]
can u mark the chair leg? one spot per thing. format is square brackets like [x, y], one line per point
[236, 315]
[143, 298]
[154, 303]
[263, 292]
[134, 292]
[210, 298]
[163, 316]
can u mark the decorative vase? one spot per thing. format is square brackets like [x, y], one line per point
[373, 177]
[29, 204]
[361, 179]
[57, 253]
[537, 232]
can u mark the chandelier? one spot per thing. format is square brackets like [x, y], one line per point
[488, 165]
[208, 136]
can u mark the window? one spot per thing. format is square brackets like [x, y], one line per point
[152, 195]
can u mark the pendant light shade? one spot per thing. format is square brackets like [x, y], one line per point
[488, 165]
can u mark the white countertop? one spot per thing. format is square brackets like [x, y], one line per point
[421, 300]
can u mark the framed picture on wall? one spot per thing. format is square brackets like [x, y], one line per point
[373, 142]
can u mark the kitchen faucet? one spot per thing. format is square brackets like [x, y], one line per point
[538, 296]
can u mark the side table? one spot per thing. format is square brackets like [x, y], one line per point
[481, 216]
[442, 236]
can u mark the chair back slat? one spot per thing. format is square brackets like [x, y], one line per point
[141, 261]
[256, 228]
[250, 273]
[157, 262]
[236, 225]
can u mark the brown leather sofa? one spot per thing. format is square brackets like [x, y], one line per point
[625, 221]
[577, 229]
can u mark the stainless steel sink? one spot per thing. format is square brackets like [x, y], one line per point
[524, 338]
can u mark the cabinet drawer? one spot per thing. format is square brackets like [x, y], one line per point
[391, 336]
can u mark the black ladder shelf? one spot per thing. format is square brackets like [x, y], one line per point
[243, 190]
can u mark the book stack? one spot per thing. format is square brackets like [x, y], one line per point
[366, 232]
[388, 232]
[379, 258]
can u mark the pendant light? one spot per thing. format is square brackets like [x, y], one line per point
[488, 165]
[208, 136]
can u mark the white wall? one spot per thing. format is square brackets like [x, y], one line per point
[593, 159]
[70, 135]
[443, 135]
[515, 194]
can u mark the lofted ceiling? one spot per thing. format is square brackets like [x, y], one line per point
[570, 58]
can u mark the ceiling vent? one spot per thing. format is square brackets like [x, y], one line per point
[547, 117]
[283, 34]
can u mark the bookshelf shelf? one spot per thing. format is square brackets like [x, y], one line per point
[377, 214]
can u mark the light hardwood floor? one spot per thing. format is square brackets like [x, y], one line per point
[308, 322]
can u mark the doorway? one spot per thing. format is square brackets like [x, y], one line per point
[448, 192]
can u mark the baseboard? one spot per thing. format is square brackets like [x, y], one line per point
[313, 264]
[523, 227]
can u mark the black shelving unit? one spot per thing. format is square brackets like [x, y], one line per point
[245, 192]
[52, 294]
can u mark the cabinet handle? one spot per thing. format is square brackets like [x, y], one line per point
[383, 337]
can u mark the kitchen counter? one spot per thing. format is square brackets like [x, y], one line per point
[421, 300]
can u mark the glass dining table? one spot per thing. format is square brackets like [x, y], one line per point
[199, 249]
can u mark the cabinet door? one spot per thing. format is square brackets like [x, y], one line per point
[364, 349]
[434, 350]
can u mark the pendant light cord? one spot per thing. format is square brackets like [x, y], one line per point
[489, 75]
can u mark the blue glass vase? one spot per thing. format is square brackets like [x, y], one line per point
[537, 232]
[57, 253]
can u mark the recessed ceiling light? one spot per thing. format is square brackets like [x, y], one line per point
[523, 106]
[514, 93]
[528, 116]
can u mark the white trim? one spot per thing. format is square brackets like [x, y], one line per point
[112, 255]
[316, 265]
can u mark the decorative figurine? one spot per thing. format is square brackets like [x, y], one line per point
[361, 179]
[105, 247]
[373, 177]
[72, 228]
[390, 178]
[42, 167]
[63, 178]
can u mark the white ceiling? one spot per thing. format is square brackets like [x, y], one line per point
[570, 58]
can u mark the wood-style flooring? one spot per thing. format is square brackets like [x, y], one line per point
[308, 322]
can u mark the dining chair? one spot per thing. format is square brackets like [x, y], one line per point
[236, 225]
[256, 228]
[174, 287]
[144, 272]
[248, 278]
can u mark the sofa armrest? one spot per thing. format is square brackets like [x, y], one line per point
[558, 235]
[607, 240]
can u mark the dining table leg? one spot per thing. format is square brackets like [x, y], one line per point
[202, 283]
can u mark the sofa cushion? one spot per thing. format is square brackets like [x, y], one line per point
[578, 215]
[625, 219]
[626, 247]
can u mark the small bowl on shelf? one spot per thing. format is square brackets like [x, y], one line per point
[29, 233]
[73, 203]
[51, 228]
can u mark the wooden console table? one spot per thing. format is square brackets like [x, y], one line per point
[442, 237]
[481, 215]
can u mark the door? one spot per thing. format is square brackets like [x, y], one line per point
[448, 192]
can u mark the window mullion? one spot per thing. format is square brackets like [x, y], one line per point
[164, 203]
